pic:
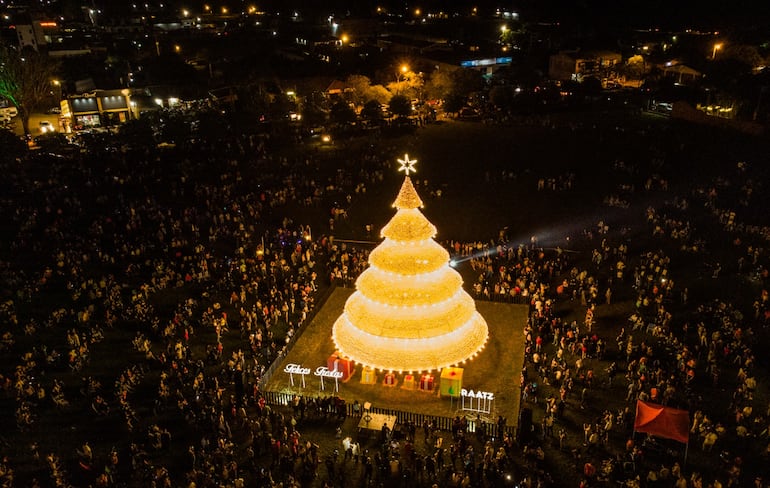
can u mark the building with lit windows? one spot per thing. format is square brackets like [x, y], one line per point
[578, 65]
[100, 108]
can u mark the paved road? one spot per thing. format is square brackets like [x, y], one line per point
[34, 123]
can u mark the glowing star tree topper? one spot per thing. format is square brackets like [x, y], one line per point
[407, 165]
[409, 312]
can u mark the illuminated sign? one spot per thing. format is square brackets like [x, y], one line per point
[324, 372]
[296, 369]
[477, 401]
[479, 395]
[476, 63]
[293, 369]
[321, 371]
[47, 24]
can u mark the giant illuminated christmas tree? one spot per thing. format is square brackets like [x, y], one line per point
[409, 311]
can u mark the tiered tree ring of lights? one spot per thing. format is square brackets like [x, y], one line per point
[409, 312]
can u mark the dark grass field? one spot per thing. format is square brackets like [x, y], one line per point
[488, 174]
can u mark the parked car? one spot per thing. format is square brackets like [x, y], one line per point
[46, 127]
[9, 112]
[663, 107]
[469, 113]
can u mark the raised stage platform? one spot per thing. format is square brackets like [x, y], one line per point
[495, 370]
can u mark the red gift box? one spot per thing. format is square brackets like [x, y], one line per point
[426, 382]
[342, 364]
[390, 379]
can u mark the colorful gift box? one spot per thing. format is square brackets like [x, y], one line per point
[409, 382]
[426, 382]
[451, 382]
[339, 363]
[368, 377]
[390, 379]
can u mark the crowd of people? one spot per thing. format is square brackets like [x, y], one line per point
[150, 289]
[185, 254]
[670, 349]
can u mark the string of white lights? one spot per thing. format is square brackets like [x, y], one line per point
[409, 311]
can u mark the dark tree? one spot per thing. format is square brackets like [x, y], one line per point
[342, 114]
[372, 112]
[454, 103]
[467, 81]
[501, 97]
[400, 106]
[312, 115]
[26, 80]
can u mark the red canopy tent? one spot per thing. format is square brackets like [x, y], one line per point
[661, 421]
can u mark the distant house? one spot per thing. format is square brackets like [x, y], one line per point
[577, 65]
[337, 88]
[34, 33]
[319, 46]
[317, 40]
[681, 74]
[28, 35]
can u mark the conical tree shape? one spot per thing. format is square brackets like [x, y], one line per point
[409, 311]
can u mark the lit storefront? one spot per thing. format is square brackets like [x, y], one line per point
[102, 108]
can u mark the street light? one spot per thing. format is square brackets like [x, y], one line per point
[503, 33]
[58, 91]
[403, 70]
[401, 77]
[717, 47]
